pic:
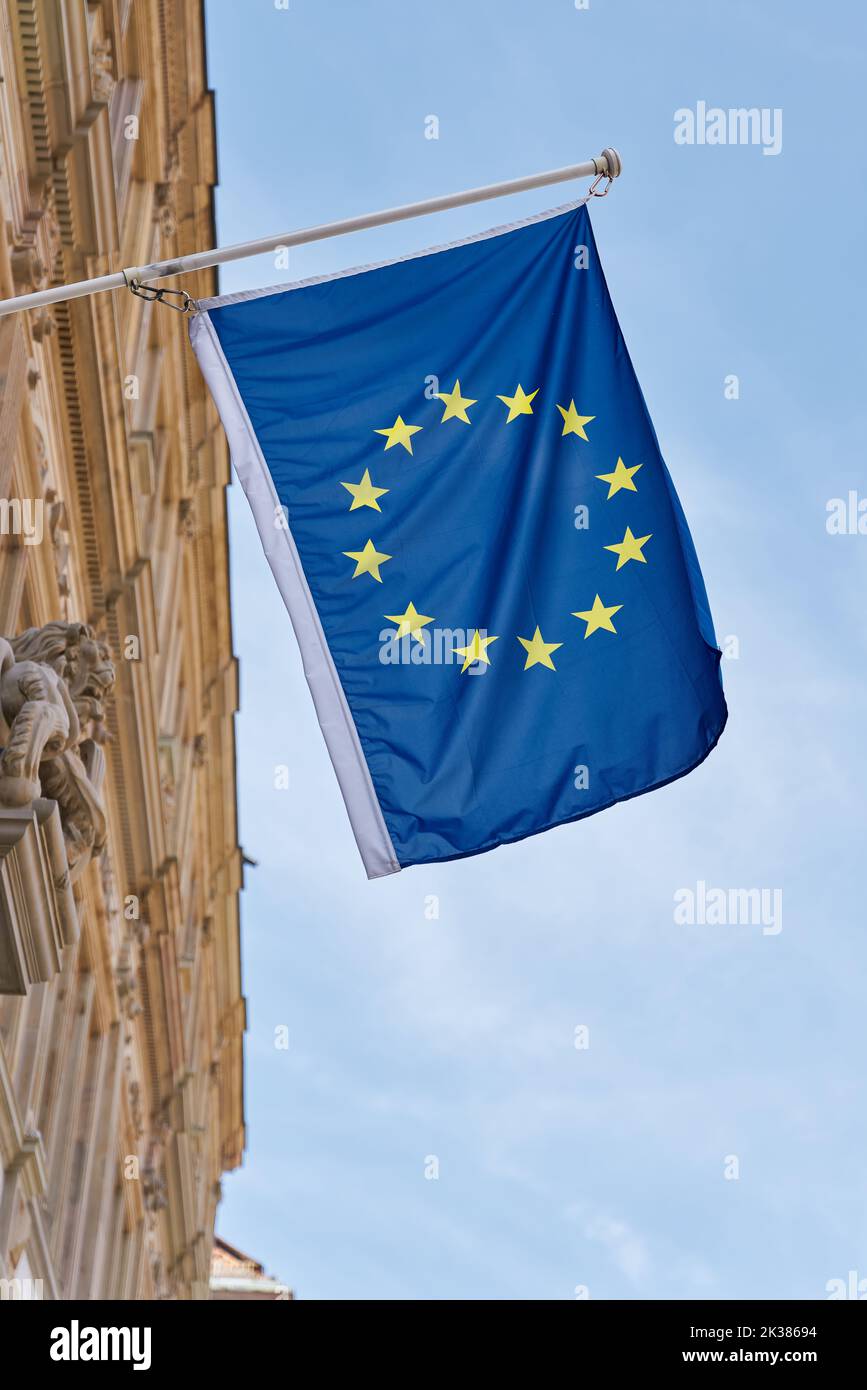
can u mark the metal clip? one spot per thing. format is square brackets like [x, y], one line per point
[162, 295]
[592, 190]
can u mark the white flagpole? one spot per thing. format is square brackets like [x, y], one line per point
[606, 164]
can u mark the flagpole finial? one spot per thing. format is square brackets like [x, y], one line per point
[613, 161]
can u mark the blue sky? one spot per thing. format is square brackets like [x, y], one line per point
[408, 1037]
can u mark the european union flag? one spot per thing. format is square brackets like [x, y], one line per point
[461, 495]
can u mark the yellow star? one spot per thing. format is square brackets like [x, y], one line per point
[519, 404]
[621, 477]
[456, 404]
[400, 434]
[599, 616]
[364, 494]
[476, 651]
[367, 561]
[573, 423]
[409, 622]
[538, 651]
[629, 548]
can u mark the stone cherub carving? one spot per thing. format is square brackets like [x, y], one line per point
[53, 682]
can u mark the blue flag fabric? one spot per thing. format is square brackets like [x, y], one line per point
[457, 483]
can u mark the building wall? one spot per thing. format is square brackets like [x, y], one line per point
[237, 1278]
[120, 1061]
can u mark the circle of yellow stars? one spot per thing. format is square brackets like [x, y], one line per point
[457, 406]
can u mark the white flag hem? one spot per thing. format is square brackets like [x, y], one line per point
[242, 296]
[332, 710]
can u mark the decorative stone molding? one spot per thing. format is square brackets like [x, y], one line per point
[58, 530]
[127, 984]
[167, 752]
[38, 915]
[154, 1190]
[29, 271]
[102, 70]
[42, 324]
[187, 518]
[35, 250]
[166, 208]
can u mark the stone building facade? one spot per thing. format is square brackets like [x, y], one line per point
[121, 1014]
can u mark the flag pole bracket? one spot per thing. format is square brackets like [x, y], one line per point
[611, 169]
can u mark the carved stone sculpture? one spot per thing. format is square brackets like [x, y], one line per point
[53, 684]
